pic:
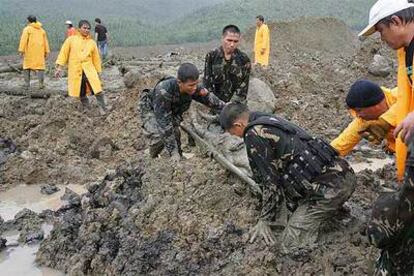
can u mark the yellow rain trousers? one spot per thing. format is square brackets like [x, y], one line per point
[34, 46]
[350, 137]
[262, 42]
[81, 55]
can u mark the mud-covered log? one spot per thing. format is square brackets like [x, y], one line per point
[9, 68]
[223, 161]
[35, 93]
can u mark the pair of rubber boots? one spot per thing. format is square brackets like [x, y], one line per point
[40, 75]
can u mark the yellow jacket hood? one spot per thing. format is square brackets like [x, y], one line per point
[36, 25]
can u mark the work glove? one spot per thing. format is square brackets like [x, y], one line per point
[262, 229]
[376, 131]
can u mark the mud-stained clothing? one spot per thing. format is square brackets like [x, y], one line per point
[297, 171]
[227, 79]
[391, 227]
[162, 108]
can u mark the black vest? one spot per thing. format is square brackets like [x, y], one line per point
[311, 156]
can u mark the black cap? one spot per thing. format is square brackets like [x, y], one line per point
[364, 93]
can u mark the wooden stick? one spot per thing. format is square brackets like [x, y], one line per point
[223, 160]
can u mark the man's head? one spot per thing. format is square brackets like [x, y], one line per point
[31, 19]
[234, 118]
[394, 20]
[98, 20]
[367, 100]
[259, 20]
[187, 77]
[69, 23]
[230, 39]
[84, 27]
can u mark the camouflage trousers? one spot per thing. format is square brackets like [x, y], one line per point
[332, 189]
[151, 129]
[153, 134]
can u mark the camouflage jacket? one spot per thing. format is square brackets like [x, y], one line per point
[168, 105]
[273, 154]
[227, 77]
[391, 227]
[265, 147]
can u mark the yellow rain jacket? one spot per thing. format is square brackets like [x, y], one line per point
[350, 137]
[403, 106]
[262, 41]
[34, 46]
[81, 54]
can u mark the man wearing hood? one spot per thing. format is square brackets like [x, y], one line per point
[34, 48]
[84, 64]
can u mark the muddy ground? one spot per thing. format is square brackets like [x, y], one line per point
[143, 216]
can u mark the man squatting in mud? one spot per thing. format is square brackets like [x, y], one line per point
[295, 170]
[227, 69]
[369, 105]
[161, 109]
[392, 223]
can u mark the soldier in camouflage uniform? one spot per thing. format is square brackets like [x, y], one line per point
[391, 227]
[227, 69]
[162, 108]
[296, 172]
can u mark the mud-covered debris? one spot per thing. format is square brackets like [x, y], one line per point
[3, 242]
[49, 189]
[6, 147]
[29, 224]
[70, 199]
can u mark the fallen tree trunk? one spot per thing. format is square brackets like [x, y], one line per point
[36, 94]
[151, 62]
[223, 161]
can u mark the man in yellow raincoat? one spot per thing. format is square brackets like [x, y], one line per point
[84, 64]
[368, 104]
[394, 20]
[34, 47]
[261, 42]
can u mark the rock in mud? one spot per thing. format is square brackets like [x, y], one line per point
[49, 189]
[380, 66]
[260, 97]
[131, 79]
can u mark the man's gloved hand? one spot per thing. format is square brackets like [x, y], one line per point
[262, 229]
[376, 131]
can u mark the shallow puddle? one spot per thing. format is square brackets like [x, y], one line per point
[18, 259]
[28, 196]
[371, 163]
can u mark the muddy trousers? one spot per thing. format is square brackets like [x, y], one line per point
[332, 190]
[40, 75]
